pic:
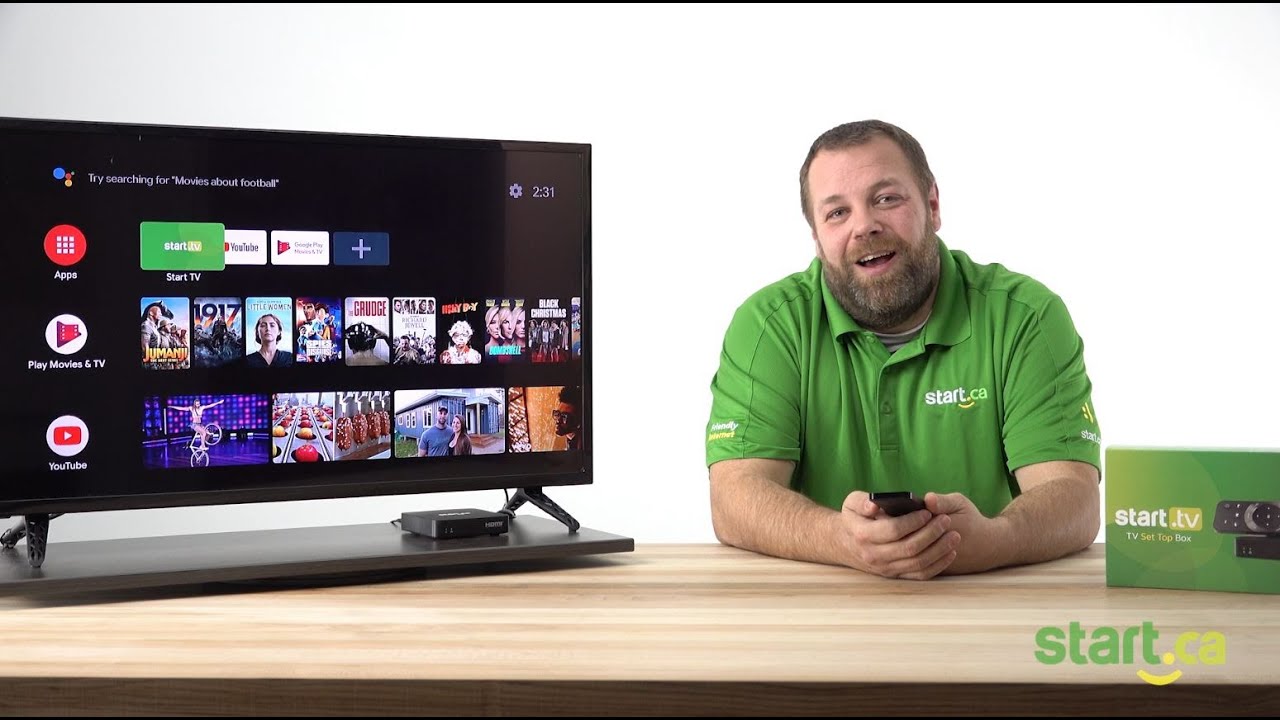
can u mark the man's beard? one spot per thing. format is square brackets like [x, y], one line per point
[883, 303]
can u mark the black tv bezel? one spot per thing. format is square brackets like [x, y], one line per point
[140, 501]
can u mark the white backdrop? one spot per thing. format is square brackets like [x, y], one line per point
[1125, 156]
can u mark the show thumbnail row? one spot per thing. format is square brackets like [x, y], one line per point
[324, 426]
[178, 333]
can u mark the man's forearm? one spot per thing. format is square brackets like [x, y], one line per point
[1047, 522]
[760, 515]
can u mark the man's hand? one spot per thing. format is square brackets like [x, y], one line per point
[1057, 513]
[915, 546]
[980, 536]
[753, 508]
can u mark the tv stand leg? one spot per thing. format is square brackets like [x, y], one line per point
[542, 502]
[37, 538]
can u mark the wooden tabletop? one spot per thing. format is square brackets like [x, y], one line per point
[668, 628]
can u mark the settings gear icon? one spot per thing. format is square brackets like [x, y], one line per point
[515, 191]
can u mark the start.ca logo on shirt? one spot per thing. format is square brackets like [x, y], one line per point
[299, 247]
[959, 396]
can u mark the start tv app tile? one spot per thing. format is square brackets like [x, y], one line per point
[299, 247]
[182, 246]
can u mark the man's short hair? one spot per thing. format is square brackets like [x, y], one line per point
[858, 133]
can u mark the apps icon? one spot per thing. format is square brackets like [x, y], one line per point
[67, 435]
[66, 334]
[65, 244]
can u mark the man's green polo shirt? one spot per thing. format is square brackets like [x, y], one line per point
[995, 381]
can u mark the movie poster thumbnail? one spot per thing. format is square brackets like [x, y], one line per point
[362, 430]
[457, 421]
[217, 331]
[413, 330]
[460, 326]
[576, 328]
[268, 323]
[204, 430]
[166, 333]
[544, 419]
[366, 325]
[317, 323]
[504, 324]
[302, 427]
[548, 330]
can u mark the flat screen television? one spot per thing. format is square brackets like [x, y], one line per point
[211, 316]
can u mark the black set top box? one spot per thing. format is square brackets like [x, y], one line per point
[442, 524]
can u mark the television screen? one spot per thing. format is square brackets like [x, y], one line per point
[215, 316]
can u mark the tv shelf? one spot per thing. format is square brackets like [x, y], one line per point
[293, 553]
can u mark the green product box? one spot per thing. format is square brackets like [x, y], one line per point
[1193, 519]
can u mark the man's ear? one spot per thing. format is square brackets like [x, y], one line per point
[935, 211]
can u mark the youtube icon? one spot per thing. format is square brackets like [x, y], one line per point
[67, 436]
